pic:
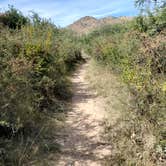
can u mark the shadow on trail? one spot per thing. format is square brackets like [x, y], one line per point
[81, 144]
[81, 95]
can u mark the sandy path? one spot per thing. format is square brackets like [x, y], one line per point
[82, 144]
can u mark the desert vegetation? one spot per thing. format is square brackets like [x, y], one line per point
[135, 52]
[36, 59]
[127, 68]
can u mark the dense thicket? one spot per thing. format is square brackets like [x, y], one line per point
[35, 60]
[136, 51]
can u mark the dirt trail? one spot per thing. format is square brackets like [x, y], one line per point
[82, 144]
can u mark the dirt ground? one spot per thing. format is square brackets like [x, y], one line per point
[82, 144]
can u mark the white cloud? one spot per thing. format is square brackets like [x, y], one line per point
[64, 12]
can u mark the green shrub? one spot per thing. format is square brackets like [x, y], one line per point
[153, 23]
[34, 66]
[13, 18]
[139, 58]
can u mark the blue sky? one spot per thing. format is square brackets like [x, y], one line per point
[65, 12]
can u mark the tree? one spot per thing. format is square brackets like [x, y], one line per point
[13, 18]
[147, 2]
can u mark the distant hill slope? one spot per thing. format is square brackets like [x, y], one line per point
[88, 23]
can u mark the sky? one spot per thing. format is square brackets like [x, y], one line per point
[65, 12]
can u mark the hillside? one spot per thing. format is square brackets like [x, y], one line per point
[88, 23]
[94, 96]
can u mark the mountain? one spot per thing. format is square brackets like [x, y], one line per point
[84, 24]
[88, 23]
